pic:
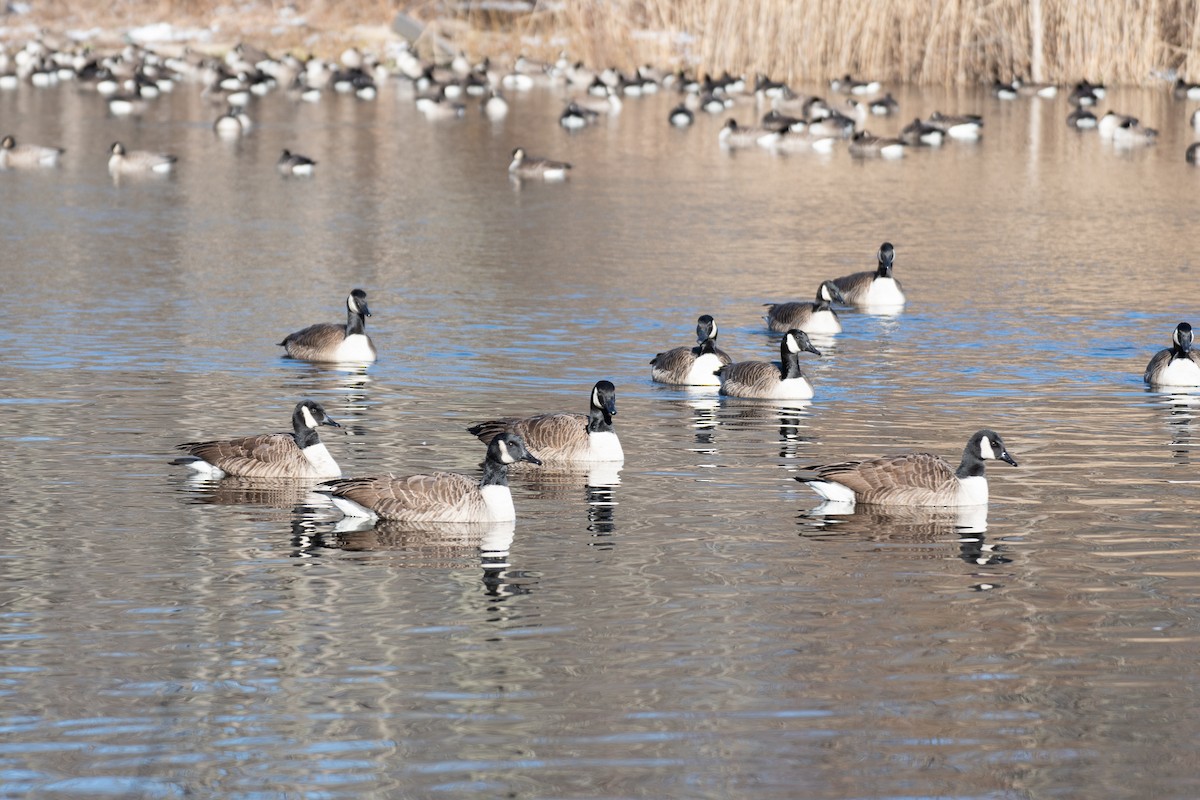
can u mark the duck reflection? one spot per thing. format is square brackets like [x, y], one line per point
[598, 482]
[295, 495]
[1183, 408]
[903, 522]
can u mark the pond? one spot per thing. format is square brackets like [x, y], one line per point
[690, 625]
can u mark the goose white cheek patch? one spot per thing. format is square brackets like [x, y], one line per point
[505, 457]
[308, 417]
[985, 449]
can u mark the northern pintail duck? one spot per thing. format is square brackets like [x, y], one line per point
[331, 342]
[437, 497]
[692, 366]
[766, 380]
[299, 454]
[566, 438]
[912, 479]
[1177, 365]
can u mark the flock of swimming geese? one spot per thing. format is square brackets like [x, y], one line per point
[796, 122]
[912, 479]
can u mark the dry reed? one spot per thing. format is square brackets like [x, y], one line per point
[915, 41]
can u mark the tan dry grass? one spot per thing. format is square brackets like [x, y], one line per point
[917, 41]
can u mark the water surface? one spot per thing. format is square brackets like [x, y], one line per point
[688, 628]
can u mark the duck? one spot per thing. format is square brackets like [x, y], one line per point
[865, 145]
[681, 116]
[494, 105]
[1108, 124]
[876, 288]
[290, 163]
[814, 317]
[917, 133]
[299, 454]
[692, 366]
[16, 156]
[122, 161]
[525, 166]
[1182, 90]
[1177, 365]
[1132, 134]
[912, 479]
[228, 124]
[1081, 119]
[766, 380]
[733, 135]
[964, 127]
[331, 342]
[437, 497]
[575, 117]
[566, 438]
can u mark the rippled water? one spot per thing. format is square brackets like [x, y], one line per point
[693, 630]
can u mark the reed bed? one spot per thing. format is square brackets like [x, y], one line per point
[916, 41]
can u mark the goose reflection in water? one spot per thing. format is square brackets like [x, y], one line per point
[915, 523]
[1183, 408]
[564, 482]
[292, 494]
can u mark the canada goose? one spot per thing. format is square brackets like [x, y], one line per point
[299, 454]
[329, 341]
[912, 479]
[524, 166]
[290, 163]
[1004, 91]
[876, 288]
[566, 437]
[1177, 365]
[1132, 134]
[495, 106]
[574, 117]
[1030, 89]
[814, 317]
[680, 116]
[733, 135]
[437, 496]
[777, 122]
[917, 133]
[692, 366]
[766, 380]
[122, 161]
[1108, 124]
[1191, 153]
[848, 85]
[1085, 93]
[1081, 119]
[228, 124]
[965, 127]
[864, 145]
[1182, 90]
[15, 156]
[835, 125]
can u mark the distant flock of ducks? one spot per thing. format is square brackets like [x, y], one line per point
[794, 122]
[131, 78]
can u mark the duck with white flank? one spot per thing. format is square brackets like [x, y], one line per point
[299, 454]
[566, 438]
[873, 289]
[290, 163]
[815, 317]
[132, 162]
[767, 380]
[912, 479]
[329, 341]
[692, 366]
[1177, 365]
[17, 156]
[525, 166]
[439, 496]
